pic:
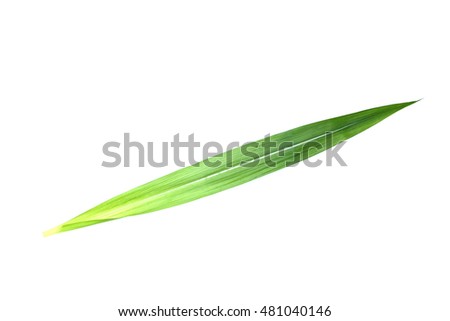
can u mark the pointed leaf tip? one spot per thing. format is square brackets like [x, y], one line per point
[409, 103]
[52, 231]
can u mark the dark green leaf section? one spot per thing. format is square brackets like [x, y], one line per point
[232, 168]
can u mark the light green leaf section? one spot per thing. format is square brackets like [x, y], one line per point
[232, 168]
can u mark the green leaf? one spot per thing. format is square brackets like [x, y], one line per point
[231, 168]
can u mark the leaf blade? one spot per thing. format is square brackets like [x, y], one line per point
[236, 167]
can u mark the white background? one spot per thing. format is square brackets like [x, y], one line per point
[371, 240]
